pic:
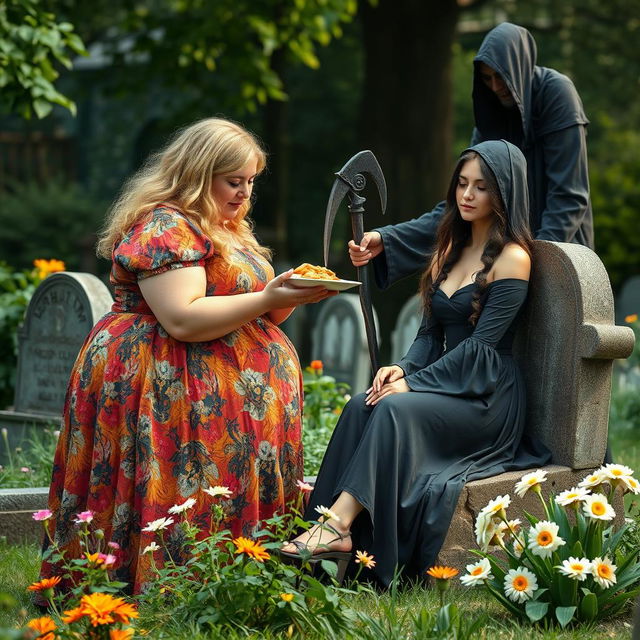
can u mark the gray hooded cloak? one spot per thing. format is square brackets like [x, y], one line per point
[547, 123]
[407, 458]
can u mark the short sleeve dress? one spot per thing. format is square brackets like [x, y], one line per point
[150, 421]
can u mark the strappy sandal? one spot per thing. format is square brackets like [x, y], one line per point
[341, 558]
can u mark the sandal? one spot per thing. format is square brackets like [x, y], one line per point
[342, 558]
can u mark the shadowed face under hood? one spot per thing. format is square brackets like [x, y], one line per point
[511, 51]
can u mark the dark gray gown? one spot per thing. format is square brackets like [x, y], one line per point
[406, 459]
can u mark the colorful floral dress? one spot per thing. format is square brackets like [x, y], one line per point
[150, 421]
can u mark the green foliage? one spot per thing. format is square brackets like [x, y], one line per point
[324, 399]
[16, 289]
[30, 465]
[238, 39]
[56, 219]
[31, 44]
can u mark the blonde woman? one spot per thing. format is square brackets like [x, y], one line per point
[188, 382]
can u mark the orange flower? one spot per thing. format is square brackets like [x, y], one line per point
[120, 634]
[103, 608]
[630, 319]
[442, 573]
[316, 365]
[47, 267]
[365, 559]
[44, 626]
[44, 584]
[73, 615]
[251, 548]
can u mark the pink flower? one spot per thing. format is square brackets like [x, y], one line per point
[303, 486]
[85, 516]
[43, 514]
[107, 558]
[113, 545]
[25, 469]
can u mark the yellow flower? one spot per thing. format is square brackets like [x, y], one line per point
[44, 584]
[287, 597]
[442, 573]
[44, 626]
[251, 548]
[365, 559]
[120, 634]
[630, 319]
[47, 267]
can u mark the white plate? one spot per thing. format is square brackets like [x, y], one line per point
[334, 285]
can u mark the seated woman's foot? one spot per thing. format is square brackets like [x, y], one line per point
[325, 538]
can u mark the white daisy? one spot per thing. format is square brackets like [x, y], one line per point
[477, 573]
[571, 496]
[488, 533]
[530, 480]
[179, 508]
[150, 548]
[597, 507]
[630, 484]
[218, 491]
[593, 480]
[496, 507]
[575, 568]
[603, 572]
[520, 584]
[616, 471]
[159, 524]
[509, 528]
[544, 538]
[517, 548]
[327, 513]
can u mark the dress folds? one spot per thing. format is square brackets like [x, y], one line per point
[407, 458]
[150, 421]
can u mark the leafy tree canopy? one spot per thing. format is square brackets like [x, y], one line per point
[32, 43]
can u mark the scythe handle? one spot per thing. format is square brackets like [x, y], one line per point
[357, 228]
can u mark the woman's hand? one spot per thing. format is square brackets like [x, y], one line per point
[388, 380]
[281, 294]
[370, 246]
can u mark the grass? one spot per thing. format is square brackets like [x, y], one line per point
[19, 567]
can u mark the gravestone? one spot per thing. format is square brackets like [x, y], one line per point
[61, 313]
[628, 300]
[339, 339]
[406, 329]
[566, 343]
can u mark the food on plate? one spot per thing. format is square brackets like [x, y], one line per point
[306, 270]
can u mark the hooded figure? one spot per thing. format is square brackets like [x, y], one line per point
[545, 119]
[406, 458]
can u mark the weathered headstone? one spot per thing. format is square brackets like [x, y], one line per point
[61, 313]
[628, 300]
[565, 344]
[339, 339]
[406, 328]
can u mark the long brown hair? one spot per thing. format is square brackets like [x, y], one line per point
[181, 175]
[454, 234]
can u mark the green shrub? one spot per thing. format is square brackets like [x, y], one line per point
[54, 219]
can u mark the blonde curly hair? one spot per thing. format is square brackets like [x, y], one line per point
[181, 175]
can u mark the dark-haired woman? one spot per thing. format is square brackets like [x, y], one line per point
[452, 410]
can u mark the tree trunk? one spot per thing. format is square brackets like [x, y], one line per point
[406, 113]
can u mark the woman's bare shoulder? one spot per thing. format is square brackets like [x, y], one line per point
[513, 262]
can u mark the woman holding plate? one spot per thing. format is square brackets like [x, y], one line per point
[188, 382]
[452, 410]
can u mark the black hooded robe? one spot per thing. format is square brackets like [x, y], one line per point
[407, 459]
[548, 124]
